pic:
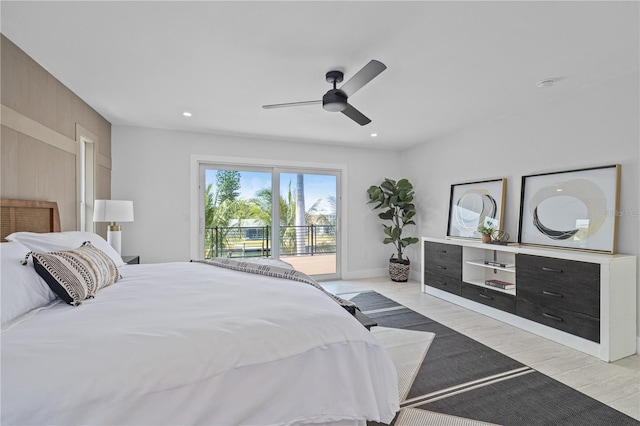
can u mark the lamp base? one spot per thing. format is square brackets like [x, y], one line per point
[114, 238]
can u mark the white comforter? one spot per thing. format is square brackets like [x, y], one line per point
[187, 343]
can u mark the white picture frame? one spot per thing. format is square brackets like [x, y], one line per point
[575, 209]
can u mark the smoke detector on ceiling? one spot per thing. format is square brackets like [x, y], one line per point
[543, 84]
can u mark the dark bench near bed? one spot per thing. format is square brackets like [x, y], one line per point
[365, 320]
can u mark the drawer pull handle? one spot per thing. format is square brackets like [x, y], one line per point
[440, 282]
[442, 251]
[442, 267]
[544, 268]
[553, 317]
[552, 294]
[484, 296]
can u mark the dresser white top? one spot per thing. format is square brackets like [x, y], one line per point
[584, 256]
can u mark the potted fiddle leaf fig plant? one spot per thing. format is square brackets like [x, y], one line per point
[395, 198]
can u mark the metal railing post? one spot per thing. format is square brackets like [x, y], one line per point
[217, 242]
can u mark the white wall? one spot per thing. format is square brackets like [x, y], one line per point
[152, 168]
[596, 126]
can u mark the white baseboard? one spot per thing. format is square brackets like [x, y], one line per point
[638, 345]
[414, 274]
[365, 273]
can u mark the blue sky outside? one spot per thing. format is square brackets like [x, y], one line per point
[316, 187]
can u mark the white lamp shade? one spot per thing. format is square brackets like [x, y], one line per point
[113, 211]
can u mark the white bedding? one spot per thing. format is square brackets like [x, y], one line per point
[188, 343]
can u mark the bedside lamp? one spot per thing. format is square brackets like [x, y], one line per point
[113, 211]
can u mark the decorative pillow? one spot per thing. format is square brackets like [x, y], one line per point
[58, 241]
[76, 275]
[22, 289]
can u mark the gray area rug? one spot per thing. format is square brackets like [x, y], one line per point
[446, 378]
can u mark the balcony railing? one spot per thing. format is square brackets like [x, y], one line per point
[255, 241]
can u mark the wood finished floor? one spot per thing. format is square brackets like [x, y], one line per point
[616, 384]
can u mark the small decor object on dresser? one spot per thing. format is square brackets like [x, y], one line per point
[474, 205]
[576, 209]
[396, 199]
[500, 284]
[499, 264]
[486, 231]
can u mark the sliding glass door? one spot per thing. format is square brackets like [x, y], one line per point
[308, 221]
[239, 214]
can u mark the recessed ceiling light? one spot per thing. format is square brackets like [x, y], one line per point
[373, 135]
[543, 84]
[187, 114]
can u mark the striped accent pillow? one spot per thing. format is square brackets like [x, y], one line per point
[76, 275]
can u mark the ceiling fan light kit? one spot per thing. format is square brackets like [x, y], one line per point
[335, 100]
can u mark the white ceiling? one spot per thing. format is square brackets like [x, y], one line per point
[451, 64]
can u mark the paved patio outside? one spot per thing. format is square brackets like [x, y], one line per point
[313, 265]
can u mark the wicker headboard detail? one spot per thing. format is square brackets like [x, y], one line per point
[28, 215]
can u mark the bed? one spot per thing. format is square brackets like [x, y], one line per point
[180, 343]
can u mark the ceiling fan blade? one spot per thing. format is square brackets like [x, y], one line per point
[290, 104]
[355, 115]
[362, 77]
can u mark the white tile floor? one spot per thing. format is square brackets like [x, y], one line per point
[616, 384]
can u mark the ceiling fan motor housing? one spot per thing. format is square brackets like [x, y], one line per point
[334, 100]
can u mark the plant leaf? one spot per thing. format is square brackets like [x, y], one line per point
[388, 185]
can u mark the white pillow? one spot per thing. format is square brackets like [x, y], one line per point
[21, 289]
[60, 241]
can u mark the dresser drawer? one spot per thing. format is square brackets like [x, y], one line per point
[581, 325]
[496, 299]
[565, 284]
[451, 285]
[442, 251]
[443, 259]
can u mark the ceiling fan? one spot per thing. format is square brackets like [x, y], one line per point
[336, 99]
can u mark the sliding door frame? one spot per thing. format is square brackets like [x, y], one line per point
[278, 171]
[196, 222]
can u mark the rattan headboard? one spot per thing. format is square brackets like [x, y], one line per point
[28, 215]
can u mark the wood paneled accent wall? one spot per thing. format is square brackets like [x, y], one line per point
[41, 121]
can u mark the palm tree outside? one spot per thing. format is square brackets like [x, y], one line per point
[238, 216]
